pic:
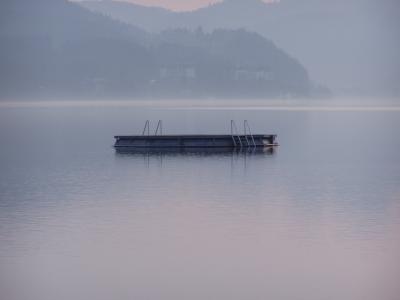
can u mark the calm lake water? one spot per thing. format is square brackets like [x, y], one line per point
[317, 219]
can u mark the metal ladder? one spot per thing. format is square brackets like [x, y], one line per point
[246, 128]
[158, 131]
[235, 137]
[247, 140]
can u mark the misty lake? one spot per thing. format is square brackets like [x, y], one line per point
[318, 218]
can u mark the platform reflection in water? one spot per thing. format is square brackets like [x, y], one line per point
[197, 151]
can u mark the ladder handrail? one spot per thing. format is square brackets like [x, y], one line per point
[233, 139]
[159, 126]
[246, 124]
[146, 126]
[245, 132]
[234, 128]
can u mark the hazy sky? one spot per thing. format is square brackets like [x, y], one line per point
[175, 4]
[178, 4]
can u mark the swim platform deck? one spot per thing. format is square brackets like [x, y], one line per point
[195, 141]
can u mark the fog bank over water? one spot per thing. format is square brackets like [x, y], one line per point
[334, 104]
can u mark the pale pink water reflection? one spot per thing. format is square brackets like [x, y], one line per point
[311, 221]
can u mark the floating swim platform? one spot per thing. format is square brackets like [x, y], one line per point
[160, 141]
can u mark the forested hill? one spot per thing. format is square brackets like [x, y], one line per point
[349, 46]
[54, 48]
